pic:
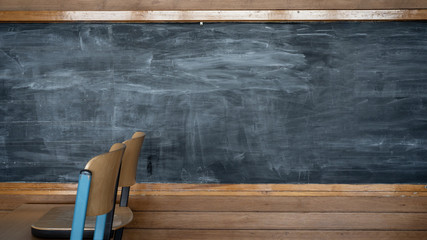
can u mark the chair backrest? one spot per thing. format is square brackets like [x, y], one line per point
[105, 170]
[130, 160]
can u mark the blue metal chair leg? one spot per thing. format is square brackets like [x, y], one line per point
[80, 207]
[100, 227]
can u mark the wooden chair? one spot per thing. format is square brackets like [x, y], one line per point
[95, 197]
[128, 173]
[122, 214]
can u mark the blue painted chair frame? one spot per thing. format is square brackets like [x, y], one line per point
[100, 199]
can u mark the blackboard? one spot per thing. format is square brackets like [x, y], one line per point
[338, 102]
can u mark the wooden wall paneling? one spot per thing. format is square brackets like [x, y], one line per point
[408, 198]
[278, 204]
[247, 211]
[12, 201]
[118, 5]
[279, 221]
[161, 234]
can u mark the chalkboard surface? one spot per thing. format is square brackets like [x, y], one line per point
[342, 102]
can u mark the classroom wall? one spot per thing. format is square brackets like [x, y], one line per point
[220, 103]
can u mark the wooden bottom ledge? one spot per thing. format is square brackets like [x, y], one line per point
[12, 187]
[212, 16]
[162, 234]
[274, 197]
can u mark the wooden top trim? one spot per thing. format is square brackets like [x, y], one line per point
[213, 16]
[137, 5]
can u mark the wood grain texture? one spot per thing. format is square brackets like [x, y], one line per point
[60, 218]
[278, 204]
[17, 224]
[117, 5]
[3, 213]
[14, 194]
[278, 190]
[13, 201]
[105, 171]
[213, 16]
[279, 221]
[177, 187]
[161, 234]
[130, 160]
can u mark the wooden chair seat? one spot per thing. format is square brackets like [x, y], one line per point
[57, 222]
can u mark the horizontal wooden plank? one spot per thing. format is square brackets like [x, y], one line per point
[155, 234]
[279, 193]
[282, 187]
[278, 204]
[34, 192]
[117, 5]
[12, 201]
[230, 187]
[213, 16]
[20, 186]
[242, 203]
[280, 221]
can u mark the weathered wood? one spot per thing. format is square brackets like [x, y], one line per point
[17, 223]
[4, 213]
[213, 16]
[105, 170]
[13, 201]
[281, 187]
[117, 5]
[130, 160]
[279, 221]
[251, 234]
[60, 218]
[278, 204]
[175, 187]
[13, 195]
[149, 234]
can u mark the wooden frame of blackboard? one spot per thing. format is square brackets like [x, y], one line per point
[179, 5]
[214, 16]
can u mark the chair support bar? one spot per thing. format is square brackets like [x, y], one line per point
[80, 207]
[100, 227]
[124, 198]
